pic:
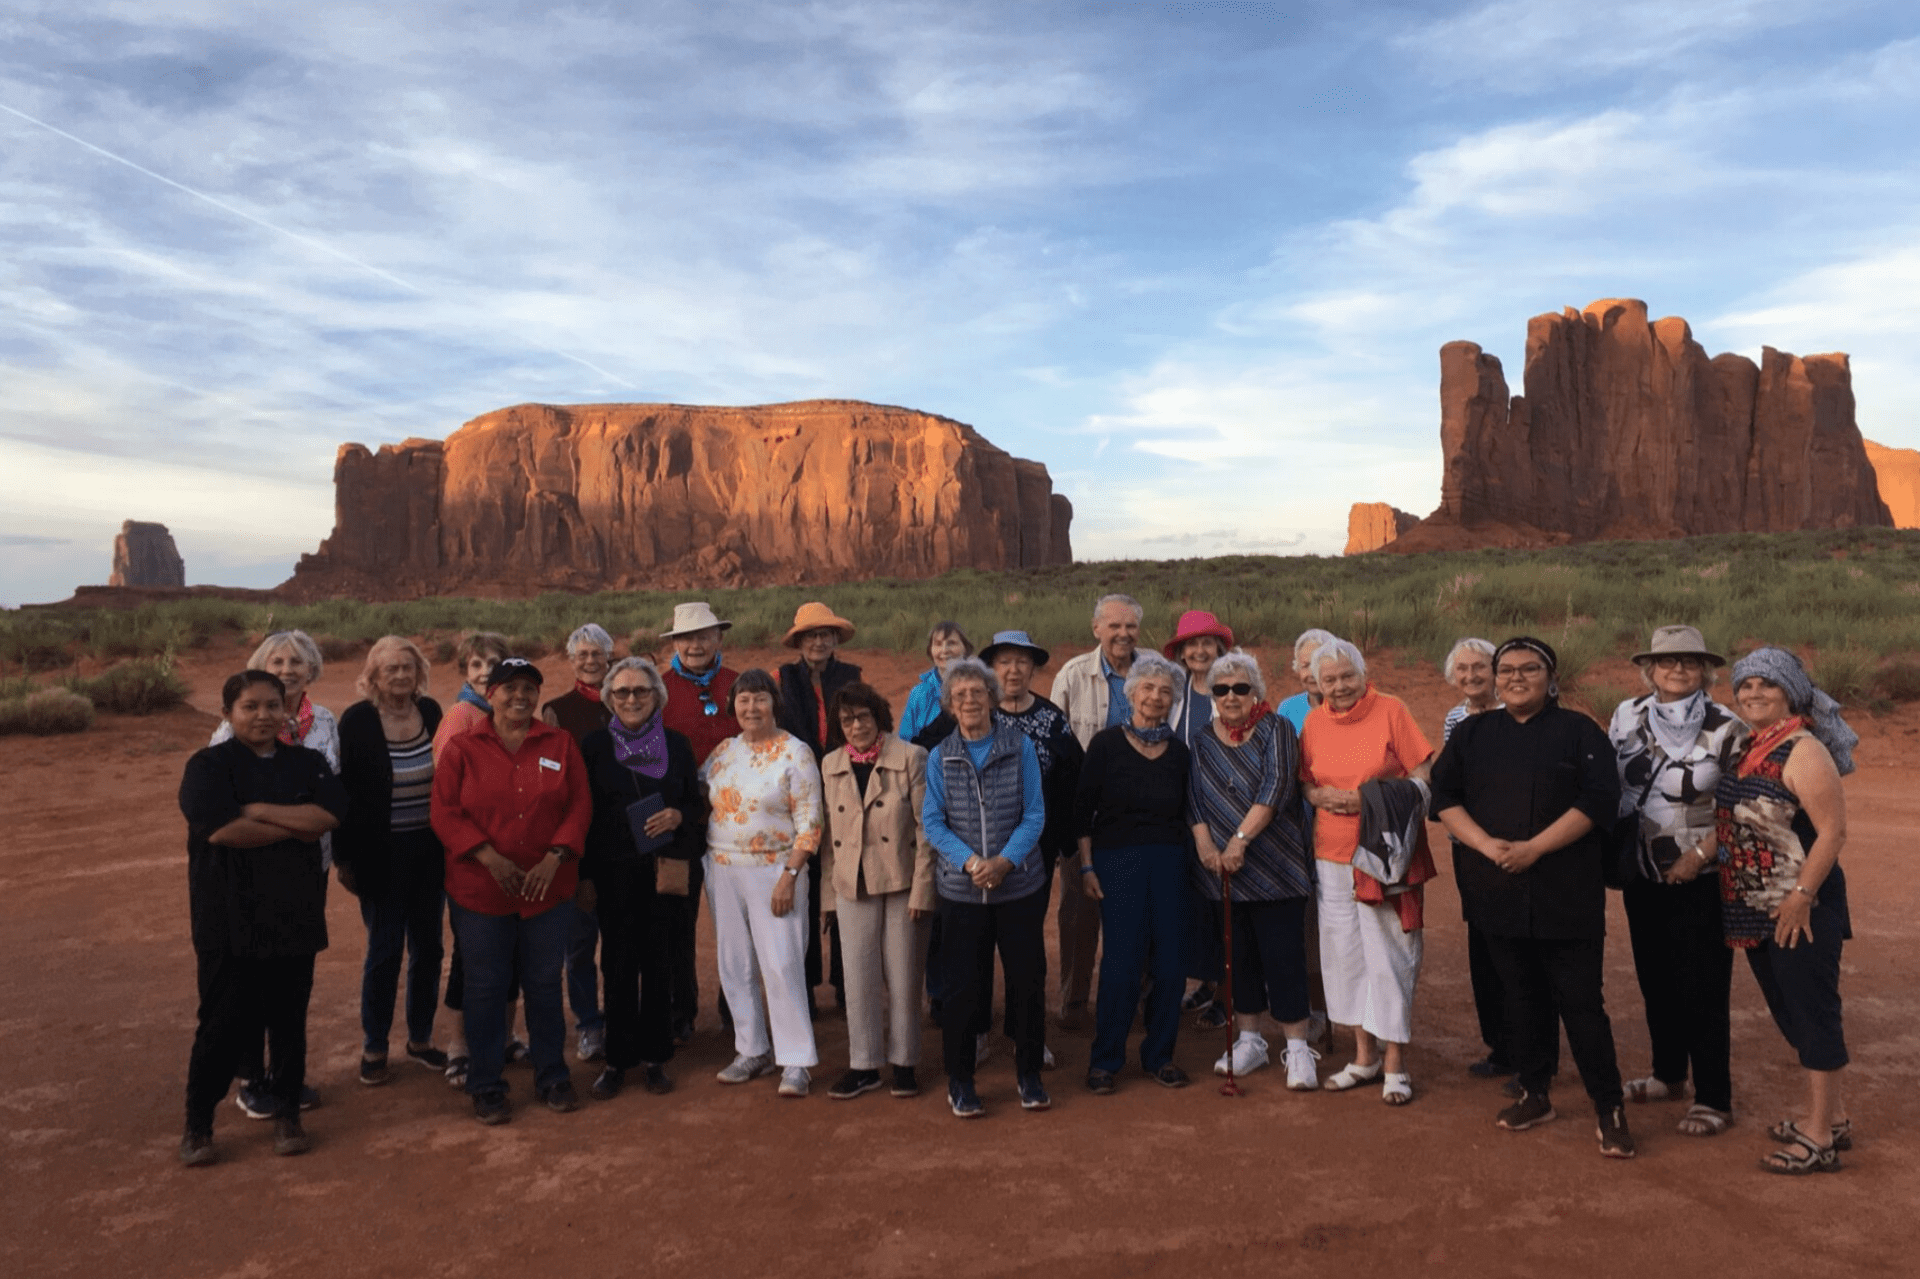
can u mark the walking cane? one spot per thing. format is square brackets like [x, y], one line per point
[1230, 1088]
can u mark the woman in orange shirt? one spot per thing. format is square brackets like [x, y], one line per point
[1370, 957]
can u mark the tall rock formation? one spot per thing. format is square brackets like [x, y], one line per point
[1371, 525]
[1628, 430]
[1897, 473]
[628, 496]
[144, 555]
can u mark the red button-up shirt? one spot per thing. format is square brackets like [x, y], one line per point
[522, 803]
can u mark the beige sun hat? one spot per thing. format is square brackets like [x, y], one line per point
[814, 616]
[688, 618]
[1679, 641]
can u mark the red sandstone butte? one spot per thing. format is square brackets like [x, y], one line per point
[633, 496]
[1897, 472]
[1371, 525]
[1628, 430]
[144, 555]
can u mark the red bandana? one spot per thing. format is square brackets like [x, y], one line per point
[866, 756]
[1762, 743]
[299, 724]
[587, 691]
[1237, 735]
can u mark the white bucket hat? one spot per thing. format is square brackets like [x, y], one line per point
[688, 618]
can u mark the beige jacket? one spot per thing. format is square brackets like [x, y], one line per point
[1080, 690]
[877, 837]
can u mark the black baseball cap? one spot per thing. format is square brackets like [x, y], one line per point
[513, 668]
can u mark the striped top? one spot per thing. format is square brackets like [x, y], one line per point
[412, 781]
[1224, 783]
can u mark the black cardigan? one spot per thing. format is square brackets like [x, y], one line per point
[366, 770]
[799, 714]
[614, 786]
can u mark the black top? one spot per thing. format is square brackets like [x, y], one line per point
[1060, 755]
[366, 771]
[579, 714]
[1516, 780]
[614, 786]
[1125, 799]
[799, 712]
[267, 902]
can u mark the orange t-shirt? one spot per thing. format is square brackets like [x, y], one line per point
[1377, 738]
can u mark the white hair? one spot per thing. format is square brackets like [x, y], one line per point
[1139, 613]
[968, 668]
[1472, 644]
[1315, 638]
[1150, 665]
[1338, 650]
[592, 635]
[648, 671]
[300, 642]
[1242, 661]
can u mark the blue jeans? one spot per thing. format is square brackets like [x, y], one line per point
[583, 979]
[492, 946]
[404, 915]
[1145, 919]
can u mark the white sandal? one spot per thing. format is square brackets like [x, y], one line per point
[1352, 1075]
[1648, 1089]
[1397, 1090]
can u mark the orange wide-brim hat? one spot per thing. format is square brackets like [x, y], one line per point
[813, 616]
[1195, 623]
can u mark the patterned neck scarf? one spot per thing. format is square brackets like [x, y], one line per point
[587, 691]
[1676, 725]
[1237, 735]
[1148, 736]
[869, 755]
[1762, 743]
[298, 724]
[643, 750]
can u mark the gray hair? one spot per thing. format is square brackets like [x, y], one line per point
[1245, 663]
[1338, 650]
[1139, 613]
[1314, 638]
[299, 641]
[1709, 675]
[648, 671]
[592, 634]
[968, 668]
[1150, 665]
[1472, 644]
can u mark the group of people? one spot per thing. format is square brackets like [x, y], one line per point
[1260, 866]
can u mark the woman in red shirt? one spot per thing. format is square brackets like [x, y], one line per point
[511, 805]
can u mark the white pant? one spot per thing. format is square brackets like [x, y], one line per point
[885, 957]
[1368, 964]
[759, 951]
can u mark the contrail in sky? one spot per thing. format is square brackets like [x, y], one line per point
[306, 240]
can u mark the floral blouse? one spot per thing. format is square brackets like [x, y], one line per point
[766, 800]
[1673, 797]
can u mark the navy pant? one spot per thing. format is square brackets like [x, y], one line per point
[404, 915]
[971, 932]
[494, 947]
[1685, 969]
[1144, 915]
[241, 999]
[583, 979]
[1802, 984]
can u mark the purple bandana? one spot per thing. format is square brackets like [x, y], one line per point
[645, 751]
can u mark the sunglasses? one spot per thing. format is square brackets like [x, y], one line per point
[623, 694]
[1237, 690]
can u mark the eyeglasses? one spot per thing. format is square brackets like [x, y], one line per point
[624, 694]
[1529, 671]
[1679, 663]
[1236, 690]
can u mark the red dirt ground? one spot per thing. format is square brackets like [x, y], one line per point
[98, 1015]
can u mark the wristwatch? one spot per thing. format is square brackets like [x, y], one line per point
[790, 872]
[1240, 835]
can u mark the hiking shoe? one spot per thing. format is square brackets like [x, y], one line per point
[655, 1078]
[196, 1149]
[795, 1081]
[1212, 1017]
[560, 1097]
[592, 1045]
[1101, 1083]
[853, 1083]
[429, 1056]
[1247, 1054]
[1033, 1094]
[373, 1071]
[609, 1083]
[256, 1102]
[1615, 1141]
[904, 1082]
[1199, 999]
[1531, 1109]
[289, 1138]
[492, 1107]
[964, 1100]
[743, 1068]
[1301, 1075]
[1171, 1076]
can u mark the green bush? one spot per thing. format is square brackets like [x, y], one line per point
[133, 688]
[1900, 681]
[1846, 674]
[48, 711]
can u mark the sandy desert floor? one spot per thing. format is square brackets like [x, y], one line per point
[97, 1014]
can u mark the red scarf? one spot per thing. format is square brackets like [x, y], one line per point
[298, 724]
[587, 691]
[1761, 744]
[1237, 735]
[866, 756]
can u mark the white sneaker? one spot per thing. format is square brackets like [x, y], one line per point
[1248, 1054]
[982, 1049]
[794, 1081]
[1301, 1075]
[744, 1068]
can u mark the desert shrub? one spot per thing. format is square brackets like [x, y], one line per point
[1899, 681]
[133, 688]
[335, 649]
[48, 711]
[1602, 700]
[15, 687]
[1846, 673]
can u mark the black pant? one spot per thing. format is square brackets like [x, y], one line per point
[680, 918]
[970, 932]
[253, 1060]
[1802, 983]
[1686, 979]
[983, 1016]
[1548, 979]
[833, 970]
[1270, 958]
[636, 961]
[242, 998]
[1490, 1006]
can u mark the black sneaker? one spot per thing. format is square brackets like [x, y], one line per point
[373, 1071]
[196, 1149]
[309, 1096]
[1033, 1094]
[1490, 1067]
[1530, 1110]
[904, 1082]
[657, 1081]
[853, 1083]
[1101, 1083]
[492, 1107]
[1615, 1141]
[1171, 1076]
[256, 1102]
[289, 1138]
[609, 1083]
[964, 1100]
[560, 1097]
[430, 1057]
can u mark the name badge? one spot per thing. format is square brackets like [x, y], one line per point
[554, 764]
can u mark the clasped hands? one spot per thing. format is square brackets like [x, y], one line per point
[987, 872]
[1512, 855]
[529, 885]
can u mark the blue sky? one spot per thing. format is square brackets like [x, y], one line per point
[1198, 258]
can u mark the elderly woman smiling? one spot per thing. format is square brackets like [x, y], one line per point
[1370, 949]
[1130, 814]
[1469, 668]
